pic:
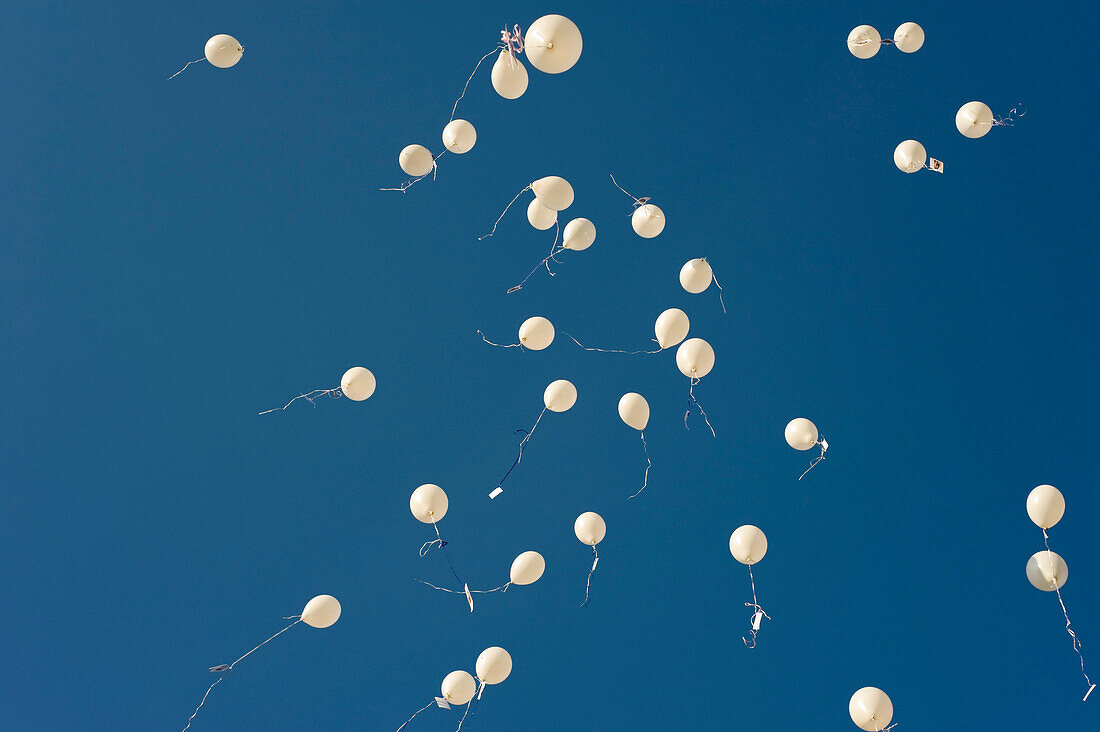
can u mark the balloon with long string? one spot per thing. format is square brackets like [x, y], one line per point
[648, 220]
[871, 709]
[428, 505]
[634, 412]
[320, 612]
[526, 569]
[357, 384]
[911, 157]
[801, 434]
[577, 236]
[696, 276]
[748, 545]
[671, 327]
[590, 529]
[1045, 569]
[695, 359]
[458, 688]
[221, 51]
[975, 119]
[864, 41]
[493, 666]
[559, 396]
[535, 333]
[552, 192]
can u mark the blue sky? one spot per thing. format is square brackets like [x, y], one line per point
[178, 256]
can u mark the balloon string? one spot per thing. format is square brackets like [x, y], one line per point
[467, 86]
[588, 586]
[502, 588]
[414, 716]
[1076, 642]
[499, 345]
[1009, 119]
[692, 400]
[824, 446]
[409, 183]
[757, 613]
[649, 464]
[637, 201]
[426, 547]
[522, 443]
[309, 397]
[527, 188]
[720, 298]
[554, 251]
[174, 76]
[470, 704]
[606, 350]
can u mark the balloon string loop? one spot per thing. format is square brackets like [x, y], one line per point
[309, 397]
[525, 189]
[181, 71]
[554, 251]
[649, 464]
[606, 350]
[824, 446]
[588, 586]
[693, 401]
[499, 345]
[414, 716]
[758, 614]
[1072, 635]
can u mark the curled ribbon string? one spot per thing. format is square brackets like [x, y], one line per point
[554, 251]
[758, 614]
[1076, 642]
[512, 41]
[588, 586]
[649, 464]
[522, 443]
[693, 401]
[309, 397]
[824, 446]
[409, 183]
[607, 350]
[414, 716]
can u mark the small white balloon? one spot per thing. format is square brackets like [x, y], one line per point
[357, 383]
[428, 503]
[910, 156]
[634, 410]
[223, 51]
[458, 688]
[459, 136]
[1045, 506]
[509, 76]
[578, 235]
[321, 612]
[974, 120]
[748, 544]
[909, 37]
[560, 396]
[695, 358]
[671, 327]
[541, 218]
[1047, 571]
[493, 665]
[527, 568]
[696, 275]
[536, 333]
[416, 160]
[553, 44]
[648, 220]
[801, 433]
[590, 528]
[871, 709]
[864, 41]
[553, 192]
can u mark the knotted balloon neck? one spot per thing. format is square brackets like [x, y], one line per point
[1072, 635]
[824, 446]
[758, 614]
[693, 380]
[637, 201]
[649, 464]
[588, 586]
[335, 393]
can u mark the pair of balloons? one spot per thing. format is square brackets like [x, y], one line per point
[492, 667]
[871, 709]
[553, 45]
[748, 544]
[864, 41]
[459, 137]
[695, 358]
[1046, 570]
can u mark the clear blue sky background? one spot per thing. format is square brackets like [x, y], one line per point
[177, 256]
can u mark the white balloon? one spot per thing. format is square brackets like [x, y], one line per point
[648, 220]
[223, 51]
[458, 688]
[696, 275]
[553, 192]
[428, 503]
[695, 358]
[541, 218]
[909, 37]
[536, 333]
[560, 396]
[909, 156]
[527, 568]
[1045, 506]
[578, 235]
[864, 41]
[590, 528]
[748, 544]
[552, 44]
[974, 120]
[416, 160]
[671, 327]
[493, 665]
[357, 383]
[459, 136]
[509, 75]
[871, 709]
[801, 433]
[634, 410]
[1047, 571]
[321, 612]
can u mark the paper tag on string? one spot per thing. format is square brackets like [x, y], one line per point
[824, 445]
[469, 597]
[442, 703]
[936, 165]
[594, 563]
[757, 618]
[496, 492]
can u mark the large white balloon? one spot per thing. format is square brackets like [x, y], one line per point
[1045, 506]
[223, 51]
[974, 120]
[695, 358]
[493, 665]
[509, 75]
[416, 160]
[428, 503]
[541, 218]
[553, 192]
[560, 396]
[748, 544]
[552, 44]
[696, 275]
[458, 688]
[801, 433]
[590, 528]
[648, 220]
[536, 333]
[1047, 571]
[909, 37]
[578, 235]
[634, 410]
[321, 612]
[910, 156]
[357, 383]
[864, 41]
[459, 136]
[871, 709]
[671, 327]
[527, 568]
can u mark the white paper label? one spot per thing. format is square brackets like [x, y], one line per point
[469, 597]
[442, 703]
[936, 165]
[496, 492]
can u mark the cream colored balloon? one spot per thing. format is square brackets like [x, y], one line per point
[909, 37]
[748, 544]
[696, 275]
[553, 192]
[459, 136]
[560, 396]
[527, 568]
[552, 44]
[590, 528]
[671, 327]
[541, 218]
[1047, 571]
[416, 160]
[695, 358]
[428, 503]
[578, 235]
[223, 51]
[357, 383]
[1045, 506]
[458, 688]
[321, 612]
[648, 220]
[800, 433]
[864, 41]
[536, 333]
[493, 665]
[509, 75]
[910, 156]
[974, 120]
[871, 709]
[634, 410]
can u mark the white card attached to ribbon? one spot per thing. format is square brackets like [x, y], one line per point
[824, 445]
[935, 165]
[469, 597]
[757, 618]
[594, 563]
[496, 492]
[442, 703]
